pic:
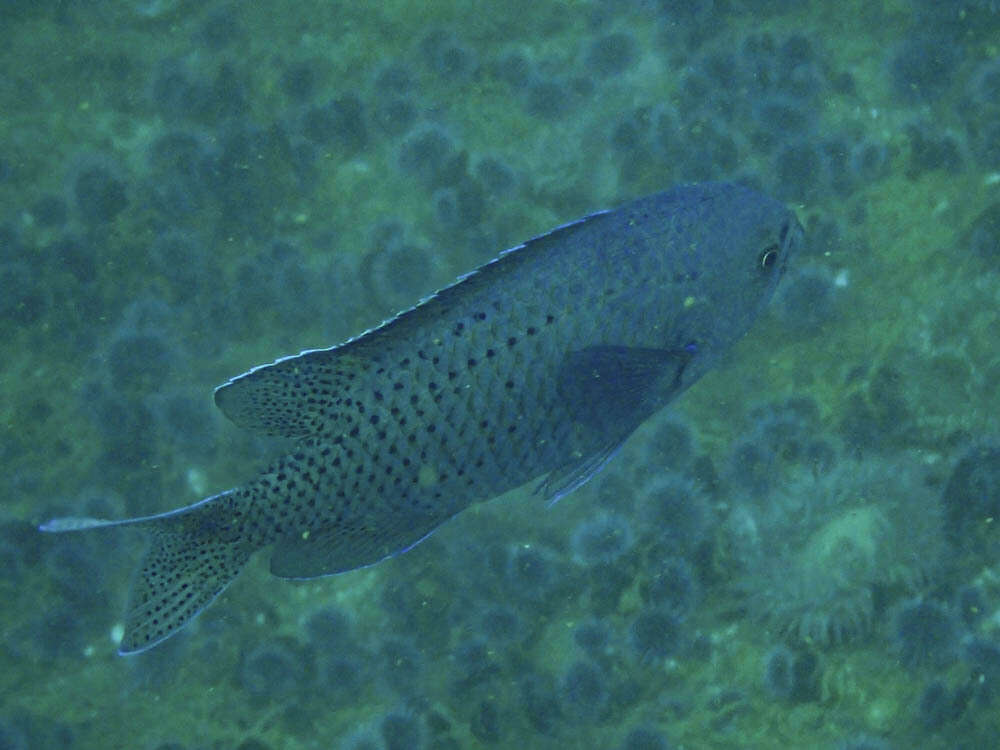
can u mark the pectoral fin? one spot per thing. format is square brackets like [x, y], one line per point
[613, 388]
[609, 391]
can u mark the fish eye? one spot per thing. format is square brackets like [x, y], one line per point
[768, 258]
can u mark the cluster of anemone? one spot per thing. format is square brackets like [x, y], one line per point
[780, 81]
[136, 408]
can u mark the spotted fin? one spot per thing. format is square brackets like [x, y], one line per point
[337, 549]
[190, 560]
[613, 388]
[288, 397]
[609, 391]
[573, 474]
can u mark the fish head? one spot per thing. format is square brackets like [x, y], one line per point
[741, 244]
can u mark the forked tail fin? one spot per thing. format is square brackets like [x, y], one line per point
[194, 553]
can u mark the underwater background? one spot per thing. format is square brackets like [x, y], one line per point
[800, 552]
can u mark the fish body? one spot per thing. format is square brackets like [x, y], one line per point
[537, 365]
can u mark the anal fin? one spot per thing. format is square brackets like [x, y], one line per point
[193, 555]
[178, 578]
[348, 546]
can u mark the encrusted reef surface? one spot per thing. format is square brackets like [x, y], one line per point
[801, 552]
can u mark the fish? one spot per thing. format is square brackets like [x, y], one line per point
[535, 367]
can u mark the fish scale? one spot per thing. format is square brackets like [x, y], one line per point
[537, 365]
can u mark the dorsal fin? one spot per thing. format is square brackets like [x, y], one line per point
[287, 397]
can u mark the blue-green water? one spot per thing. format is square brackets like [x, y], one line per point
[799, 553]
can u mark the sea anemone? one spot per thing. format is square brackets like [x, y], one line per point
[601, 540]
[824, 545]
[788, 675]
[925, 634]
[586, 690]
[656, 634]
[674, 511]
[670, 583]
